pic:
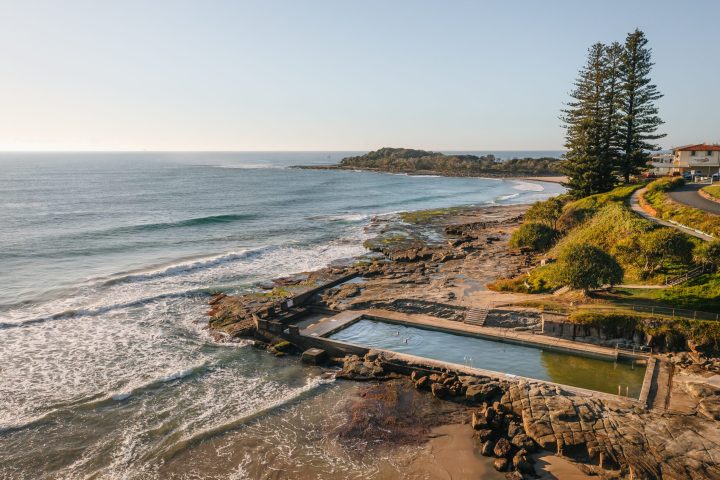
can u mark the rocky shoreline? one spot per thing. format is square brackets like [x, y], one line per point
[434, 264]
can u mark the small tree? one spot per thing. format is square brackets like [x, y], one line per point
[536, 236]
[708, 253]
[584, 267]
[653, 250]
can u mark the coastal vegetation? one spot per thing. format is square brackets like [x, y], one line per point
[672, 333]
[611, 119]
[406, 160]
[633, 248]
[582, 266]
[535, 236]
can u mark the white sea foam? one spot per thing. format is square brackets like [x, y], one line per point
[528, 186]
[508, 196]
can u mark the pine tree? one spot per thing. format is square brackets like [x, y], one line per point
[640, 114]
[588, 163]
[612, 61]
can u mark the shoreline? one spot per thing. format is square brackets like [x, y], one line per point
[472, 250]
[550, 178]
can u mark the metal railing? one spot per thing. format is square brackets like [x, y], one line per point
[677, 280]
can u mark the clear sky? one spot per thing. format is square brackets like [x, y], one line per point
[332, 75]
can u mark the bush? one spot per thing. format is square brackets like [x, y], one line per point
[653, 250]
[708, 253]
[584, 267]
[665, 184]
[547, 212]
[536, 236]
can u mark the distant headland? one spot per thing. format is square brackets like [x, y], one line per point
[422, 162]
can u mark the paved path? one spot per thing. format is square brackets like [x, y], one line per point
[635, 206]
[688, 195]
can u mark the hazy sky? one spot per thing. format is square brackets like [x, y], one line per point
[332, 75]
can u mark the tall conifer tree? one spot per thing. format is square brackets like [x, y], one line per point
[640, 114]
[588, 165]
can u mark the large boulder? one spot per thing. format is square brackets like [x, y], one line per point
[476, 393]
[501, 464]
[502, 448]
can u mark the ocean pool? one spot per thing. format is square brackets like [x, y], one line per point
[591, 373]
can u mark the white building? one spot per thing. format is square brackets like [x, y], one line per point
[702, 157]
[661, 164]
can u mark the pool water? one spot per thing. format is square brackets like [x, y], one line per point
[565, 368]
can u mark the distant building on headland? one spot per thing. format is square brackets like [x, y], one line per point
[703, 158]
[661, 164]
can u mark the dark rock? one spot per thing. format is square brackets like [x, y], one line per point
[489, 414]
[422, 382]
[521, 463]
[514, 428]
[478, 421]
[484, 434]
[479, 392]
[501, 464]
[487, 448]
[502, 448]
[522, 441]
[438, 390]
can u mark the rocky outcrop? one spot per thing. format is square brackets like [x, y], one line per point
[614, 434]
[369, 367]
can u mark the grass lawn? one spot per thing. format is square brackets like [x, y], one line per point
[702, 293]
[713, 191]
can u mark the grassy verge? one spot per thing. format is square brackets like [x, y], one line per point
[701, 293]
[713, 191]
[657, 197]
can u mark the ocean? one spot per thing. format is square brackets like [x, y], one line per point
[106, 264]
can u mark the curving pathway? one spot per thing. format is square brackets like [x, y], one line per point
[635, 206]
[688, 195]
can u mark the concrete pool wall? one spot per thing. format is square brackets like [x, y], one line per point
[316, 335]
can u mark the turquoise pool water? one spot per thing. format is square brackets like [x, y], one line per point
[565, 368]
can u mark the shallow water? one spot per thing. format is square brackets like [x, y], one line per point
[106, 263]
[564, 368]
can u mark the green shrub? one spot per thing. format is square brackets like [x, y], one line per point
[536, 236]
[584, 267]
[708, 253]
[665, 184]
[651, 251]
[546, 212]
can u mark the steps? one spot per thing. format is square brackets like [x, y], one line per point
[476, 316]
[695, 272]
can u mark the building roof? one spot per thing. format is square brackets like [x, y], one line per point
[700, 147]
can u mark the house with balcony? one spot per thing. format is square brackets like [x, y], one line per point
[702, 157]
[661, 164]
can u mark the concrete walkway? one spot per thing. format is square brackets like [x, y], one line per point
[635, 207]
[688, 195]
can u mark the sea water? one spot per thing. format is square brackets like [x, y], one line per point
[106, 264]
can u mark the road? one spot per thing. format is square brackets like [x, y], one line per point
[688, 195]
[635, 206]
